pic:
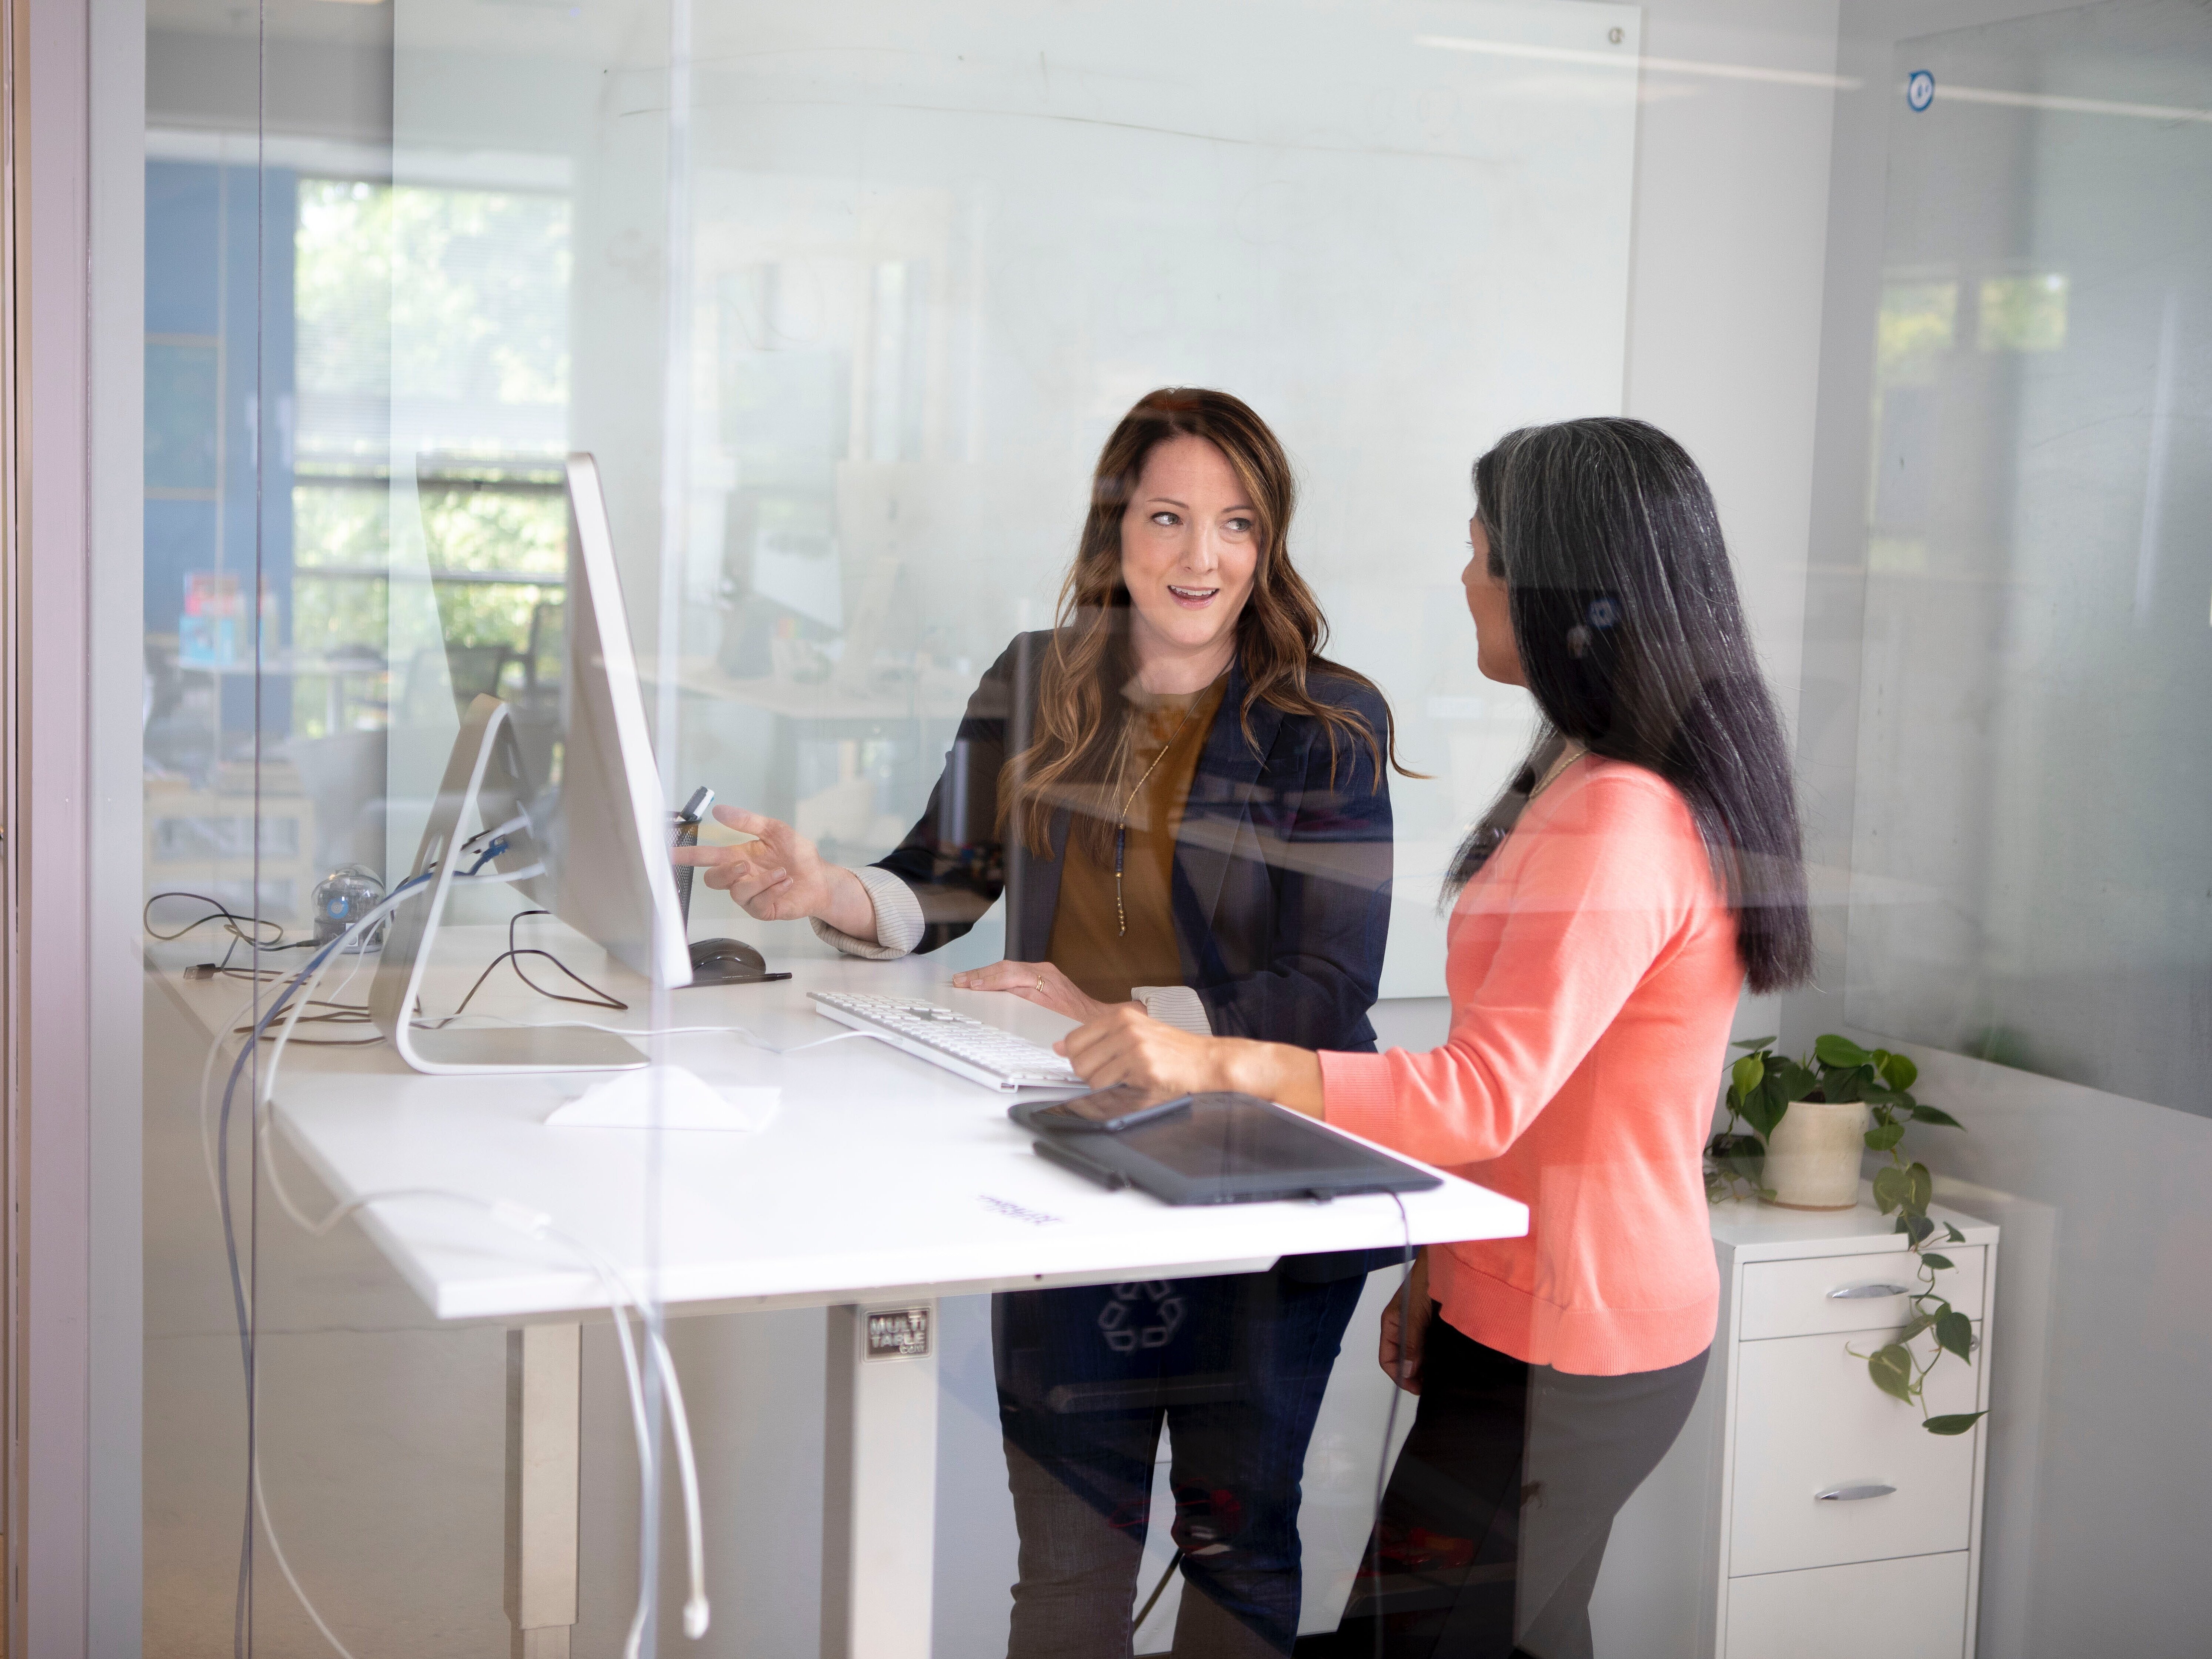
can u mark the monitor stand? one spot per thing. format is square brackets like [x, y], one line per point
[395, 995]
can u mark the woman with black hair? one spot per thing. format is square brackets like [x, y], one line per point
[1641, 870]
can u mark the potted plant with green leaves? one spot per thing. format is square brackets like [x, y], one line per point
[1845, 1098]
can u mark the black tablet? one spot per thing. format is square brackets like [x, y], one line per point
[1227, 1148]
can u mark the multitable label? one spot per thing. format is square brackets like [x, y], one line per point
[898, 1334]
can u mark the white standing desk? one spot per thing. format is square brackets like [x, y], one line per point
[882, 1184]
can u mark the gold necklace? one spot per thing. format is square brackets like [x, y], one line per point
[1568, 755]
[1121, 819]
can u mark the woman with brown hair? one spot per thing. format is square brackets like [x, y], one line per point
[1185, 807]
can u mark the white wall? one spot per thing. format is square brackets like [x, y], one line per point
[2098, 1451]
[1726, 276]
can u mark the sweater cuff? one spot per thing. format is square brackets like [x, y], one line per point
[898, 919]
[1174, 1004]
[1356, 1094]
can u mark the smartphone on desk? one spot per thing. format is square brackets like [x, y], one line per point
[1107, 1111]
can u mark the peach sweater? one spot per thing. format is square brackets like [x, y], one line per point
[1592, 974]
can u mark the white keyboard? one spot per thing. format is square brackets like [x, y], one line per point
[982, 1054]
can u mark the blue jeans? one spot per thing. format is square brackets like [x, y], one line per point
[1236, 1367]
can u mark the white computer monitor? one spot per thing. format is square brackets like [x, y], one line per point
[594, 839]
[611, 877]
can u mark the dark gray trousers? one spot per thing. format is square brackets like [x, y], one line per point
[1495, 1522]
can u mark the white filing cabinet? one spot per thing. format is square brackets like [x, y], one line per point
[1795, 1574]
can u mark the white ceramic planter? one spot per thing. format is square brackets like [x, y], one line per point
[1812, 1156]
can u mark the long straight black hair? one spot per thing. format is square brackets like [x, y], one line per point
[1632, 640]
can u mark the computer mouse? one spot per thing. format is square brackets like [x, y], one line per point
[707, 950]
[728, 962]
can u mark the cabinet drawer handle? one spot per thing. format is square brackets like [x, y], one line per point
[1850, 1494]
[1862, 1292]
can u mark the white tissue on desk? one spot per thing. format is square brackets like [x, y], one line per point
[668, 1097]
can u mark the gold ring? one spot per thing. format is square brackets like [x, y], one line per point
[1040, 984]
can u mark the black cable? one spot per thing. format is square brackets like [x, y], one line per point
[1146, 1611]
[234, 924]
[1390, 1423]
[217, 911]
[515, 953]
[341, 1013]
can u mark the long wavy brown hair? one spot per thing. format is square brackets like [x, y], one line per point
[1081, 716]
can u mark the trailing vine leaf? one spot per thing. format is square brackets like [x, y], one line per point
[1752, 1043]
[1781, 1081]
[1763, 1109]
[1748, 1073]
[1929, 1259]
[1892, 1370]
[1936, 1115]
[1921, 1192]
[1916, 1228]
[1955, 1332]
[1890, 1189]
[1897, 1070]
[1883, 1136]
[1956, 1423]
[1839, 1051]
[1913, 1327]
[1955, 1236]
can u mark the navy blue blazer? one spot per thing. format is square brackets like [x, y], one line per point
[1282, 869]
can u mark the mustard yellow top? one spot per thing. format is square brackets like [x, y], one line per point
[1167, 734]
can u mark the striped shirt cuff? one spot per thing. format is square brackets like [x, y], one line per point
[898, 919]
[1174, 1004]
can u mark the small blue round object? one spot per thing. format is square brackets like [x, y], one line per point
[341, 898]
[1919, 90]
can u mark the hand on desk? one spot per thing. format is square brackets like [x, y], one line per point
[781, 876]
[1039, 982]
[1124, 1044]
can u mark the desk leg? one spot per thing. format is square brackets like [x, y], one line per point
[879, 1482]
[545, 1426]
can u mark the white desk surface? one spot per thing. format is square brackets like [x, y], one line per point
[880, 1174]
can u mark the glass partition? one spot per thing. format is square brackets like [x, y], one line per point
[2028, 903]
[842, 305]
[330, 1450]
[923, 274]
[552, 410]
[2031, 796]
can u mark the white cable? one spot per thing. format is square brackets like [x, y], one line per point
[622, 1303]
[621, 1299]
[207, 1072]
[261, 1504]
[223, 1032]
[696, 1611]
[316, 968]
